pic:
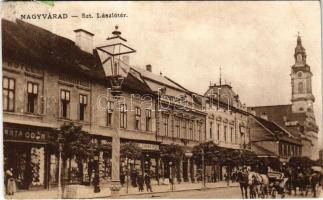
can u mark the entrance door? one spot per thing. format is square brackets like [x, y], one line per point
[17, 157]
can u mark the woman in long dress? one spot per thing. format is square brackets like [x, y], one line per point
[11, 184]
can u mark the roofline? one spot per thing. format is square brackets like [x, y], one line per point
[276, 138]
[269, 106]
[177, 84]
[163, 84]
[80, 29]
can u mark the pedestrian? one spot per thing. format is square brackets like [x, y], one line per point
[140, 182]
[11, 184]
[148, 182]
[122, 178]
[226, 178]
[314, 181]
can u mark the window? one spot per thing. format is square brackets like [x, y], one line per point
[191, 130]
[32, 94]
[148, 119]
[165, 124]
[300, 88]
[211, 130]
[225, 133]
[184, 129]
[137, 118]
[199, 131]
[236, 137]
[8, 97]
[280, 149]
[65, 100]
[288, 149]
[123, 116]
[231, 134]
[218, 132]
[109, 113]
[83, 103]
[177, 127]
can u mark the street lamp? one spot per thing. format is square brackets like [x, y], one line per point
[115, 70]
[60, 150]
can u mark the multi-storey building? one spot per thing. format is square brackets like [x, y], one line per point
[227, 121]
[53, 80]
[298, 118]
[180, 119]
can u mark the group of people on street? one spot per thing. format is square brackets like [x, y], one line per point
[138, 180]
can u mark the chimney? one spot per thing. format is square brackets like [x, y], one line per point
[126, 60]
[149, 68]
[84, 40]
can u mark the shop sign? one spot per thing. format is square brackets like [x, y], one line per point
[12, 133]
[145, 146]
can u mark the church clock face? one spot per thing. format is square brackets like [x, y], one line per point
[299, 58]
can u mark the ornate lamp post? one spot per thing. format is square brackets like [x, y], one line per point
[115, 71]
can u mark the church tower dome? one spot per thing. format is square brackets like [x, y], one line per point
[301, 80]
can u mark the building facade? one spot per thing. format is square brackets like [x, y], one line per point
[268, 139]
[45, 87]
[226, 122]
[55, 81]
[298, 117]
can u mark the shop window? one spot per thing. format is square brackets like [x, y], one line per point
[65, 103]
[148, 120]
[165, 124]
[109, 113]
[123, 116]
[137, 118]
[8, 98]
[32, 94]
[83, 103]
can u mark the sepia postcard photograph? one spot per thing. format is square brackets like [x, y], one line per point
[164, 100]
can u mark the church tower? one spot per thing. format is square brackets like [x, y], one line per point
[301, 76]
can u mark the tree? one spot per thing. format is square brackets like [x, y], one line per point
[212, 153]
[130, 150]
[76, 144]
[172, 153]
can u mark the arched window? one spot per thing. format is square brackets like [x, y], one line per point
[300, 87]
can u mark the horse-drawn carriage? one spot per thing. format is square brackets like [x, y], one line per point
[277, 182]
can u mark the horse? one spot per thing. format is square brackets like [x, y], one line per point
[258, 184]
[242, 178]
[298, 181]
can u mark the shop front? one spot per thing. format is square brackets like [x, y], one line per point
[26, 152]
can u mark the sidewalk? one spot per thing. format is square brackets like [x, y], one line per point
[87, 191]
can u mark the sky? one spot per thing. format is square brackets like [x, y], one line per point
[253, 42]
